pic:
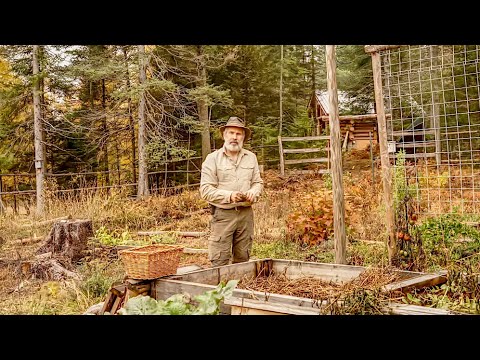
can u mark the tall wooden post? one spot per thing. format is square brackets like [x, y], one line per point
[336, 154]
[385, 161]
[280, 153]
[38, 131]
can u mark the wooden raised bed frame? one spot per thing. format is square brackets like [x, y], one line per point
[255, 302]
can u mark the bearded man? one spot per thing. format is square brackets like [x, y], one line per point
[231, 182]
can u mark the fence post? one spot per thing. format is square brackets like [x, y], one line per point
[280, 152]
[386, 167]
[336, 156]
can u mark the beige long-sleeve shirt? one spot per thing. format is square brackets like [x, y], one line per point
[221, 176]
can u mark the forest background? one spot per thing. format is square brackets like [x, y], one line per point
[119, 112]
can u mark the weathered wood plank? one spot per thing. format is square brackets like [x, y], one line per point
[282, 156]
[355, 117]
[236, 310]
[306, 161]
[417, 282]
[108, 303]
[384, 159]
[302, 151]
[214, 276]
[406, 309]
[116, 305]
[377, 48]
[244, 306]
[305, 138]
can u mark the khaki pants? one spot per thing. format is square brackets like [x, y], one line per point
[232, 234]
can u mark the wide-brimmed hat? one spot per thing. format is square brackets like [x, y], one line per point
[237, 122]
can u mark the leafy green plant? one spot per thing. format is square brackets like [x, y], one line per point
[459, 293]
[448, 238]
[168, 238]
[112, 238]
[401, 188]
[207, 303]
[327, 181]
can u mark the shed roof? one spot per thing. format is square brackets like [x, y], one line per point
[322, 99]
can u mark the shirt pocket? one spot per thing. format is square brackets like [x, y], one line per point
[226, 173]
[246, 172]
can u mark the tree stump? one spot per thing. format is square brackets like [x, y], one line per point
[68, 238]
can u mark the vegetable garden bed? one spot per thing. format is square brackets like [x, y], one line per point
[299, 287]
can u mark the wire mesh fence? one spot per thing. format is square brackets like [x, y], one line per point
[432, 93]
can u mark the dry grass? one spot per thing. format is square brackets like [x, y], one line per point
[183, 212]
[317, 289]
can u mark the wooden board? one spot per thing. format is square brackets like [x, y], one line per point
[256, 307]
[418, 282]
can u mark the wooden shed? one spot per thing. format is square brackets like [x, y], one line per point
[356, 130]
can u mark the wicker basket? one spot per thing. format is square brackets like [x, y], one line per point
[151, 261]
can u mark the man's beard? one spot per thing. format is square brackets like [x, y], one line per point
[234, 147]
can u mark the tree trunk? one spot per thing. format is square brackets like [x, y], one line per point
[38, 131]
[142, 161]
[131, 121]
[202, 105]
[68, 239]
[41, 55]
[105, 134]
[280, 125]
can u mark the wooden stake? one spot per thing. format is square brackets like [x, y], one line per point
[336, 156]
[385, 160]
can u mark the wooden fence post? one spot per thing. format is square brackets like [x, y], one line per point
[282, 160]
[336, 156]
[386, 167]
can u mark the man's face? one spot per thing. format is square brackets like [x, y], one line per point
[233, 137]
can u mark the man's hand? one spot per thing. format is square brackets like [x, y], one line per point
[251, 196]
[237, 196]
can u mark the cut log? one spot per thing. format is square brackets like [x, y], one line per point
[27, 240]
[178, 233]
[68, 238]
[45, 222]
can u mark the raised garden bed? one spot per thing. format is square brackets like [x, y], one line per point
[250, 301]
